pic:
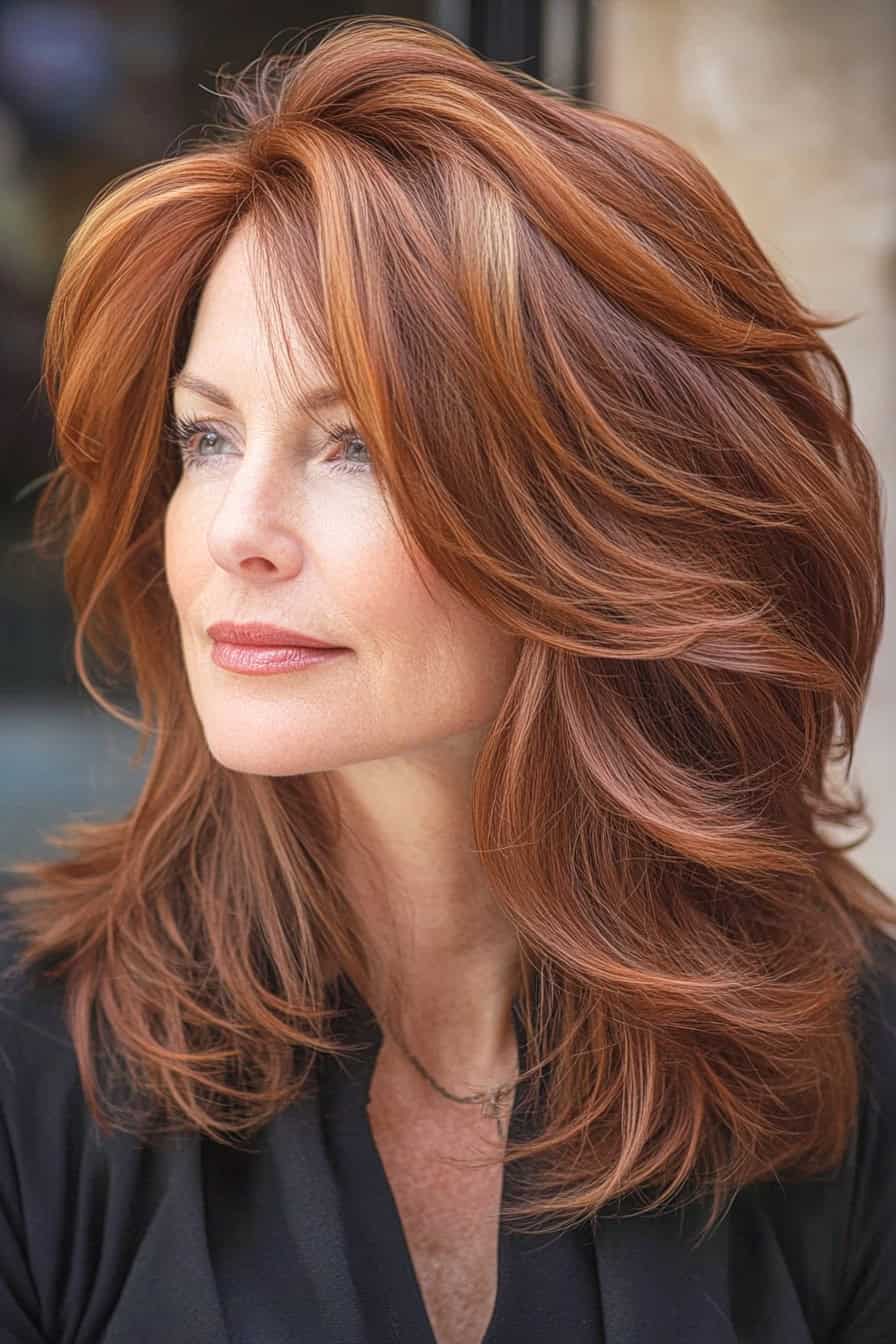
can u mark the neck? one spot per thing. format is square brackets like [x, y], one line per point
[446, 957]
[448, 967]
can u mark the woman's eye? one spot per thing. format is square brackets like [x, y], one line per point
[348, 435]
[189, 436]
[196, 442]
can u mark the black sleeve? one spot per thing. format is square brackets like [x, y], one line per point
[867, 1312]
[19, 1308]
[43, 1171]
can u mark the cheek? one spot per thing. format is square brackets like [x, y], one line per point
[186, 556]
[358, 556]
[437, 653]
[379, 583]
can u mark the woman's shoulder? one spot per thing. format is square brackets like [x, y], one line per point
[46, 1120]
[78, 1204]
[836, 1231]
[43, 1141]
[872, 1152]
[876, 1022]
[36, 1047]
[879, 1009]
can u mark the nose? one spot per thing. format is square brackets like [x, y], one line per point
[254, 529]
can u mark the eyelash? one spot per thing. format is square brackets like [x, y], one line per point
[180, 431]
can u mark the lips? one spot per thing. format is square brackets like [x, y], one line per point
[260, 633]
[262, 660]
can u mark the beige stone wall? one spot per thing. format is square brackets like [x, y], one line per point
[791, 104]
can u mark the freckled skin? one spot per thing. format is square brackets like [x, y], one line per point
[449, 1213]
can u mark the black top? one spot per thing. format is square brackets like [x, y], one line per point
[105, 1240]
[547, 1285]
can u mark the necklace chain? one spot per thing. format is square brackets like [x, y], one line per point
[491, 1100]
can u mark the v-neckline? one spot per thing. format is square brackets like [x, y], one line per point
[346, 1087]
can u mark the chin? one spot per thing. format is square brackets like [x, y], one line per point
[264, 748]
[251, 756]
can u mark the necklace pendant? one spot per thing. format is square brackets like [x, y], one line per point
[490, 1108]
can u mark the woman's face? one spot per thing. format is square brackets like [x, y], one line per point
[271, 523]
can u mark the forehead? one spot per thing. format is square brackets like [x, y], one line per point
[235, 350]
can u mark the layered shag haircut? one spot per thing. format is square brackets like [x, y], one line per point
[605, 419]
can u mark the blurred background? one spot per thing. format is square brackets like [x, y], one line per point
[791, 106]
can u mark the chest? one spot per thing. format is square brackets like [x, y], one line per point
[449, 1211]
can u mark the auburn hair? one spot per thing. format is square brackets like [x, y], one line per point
[605, 419]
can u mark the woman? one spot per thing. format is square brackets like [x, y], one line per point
[483, 975]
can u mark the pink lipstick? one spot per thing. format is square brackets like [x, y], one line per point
[260, 650]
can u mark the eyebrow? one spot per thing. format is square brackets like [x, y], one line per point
[321, 396]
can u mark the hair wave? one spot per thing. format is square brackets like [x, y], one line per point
[602, 416]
